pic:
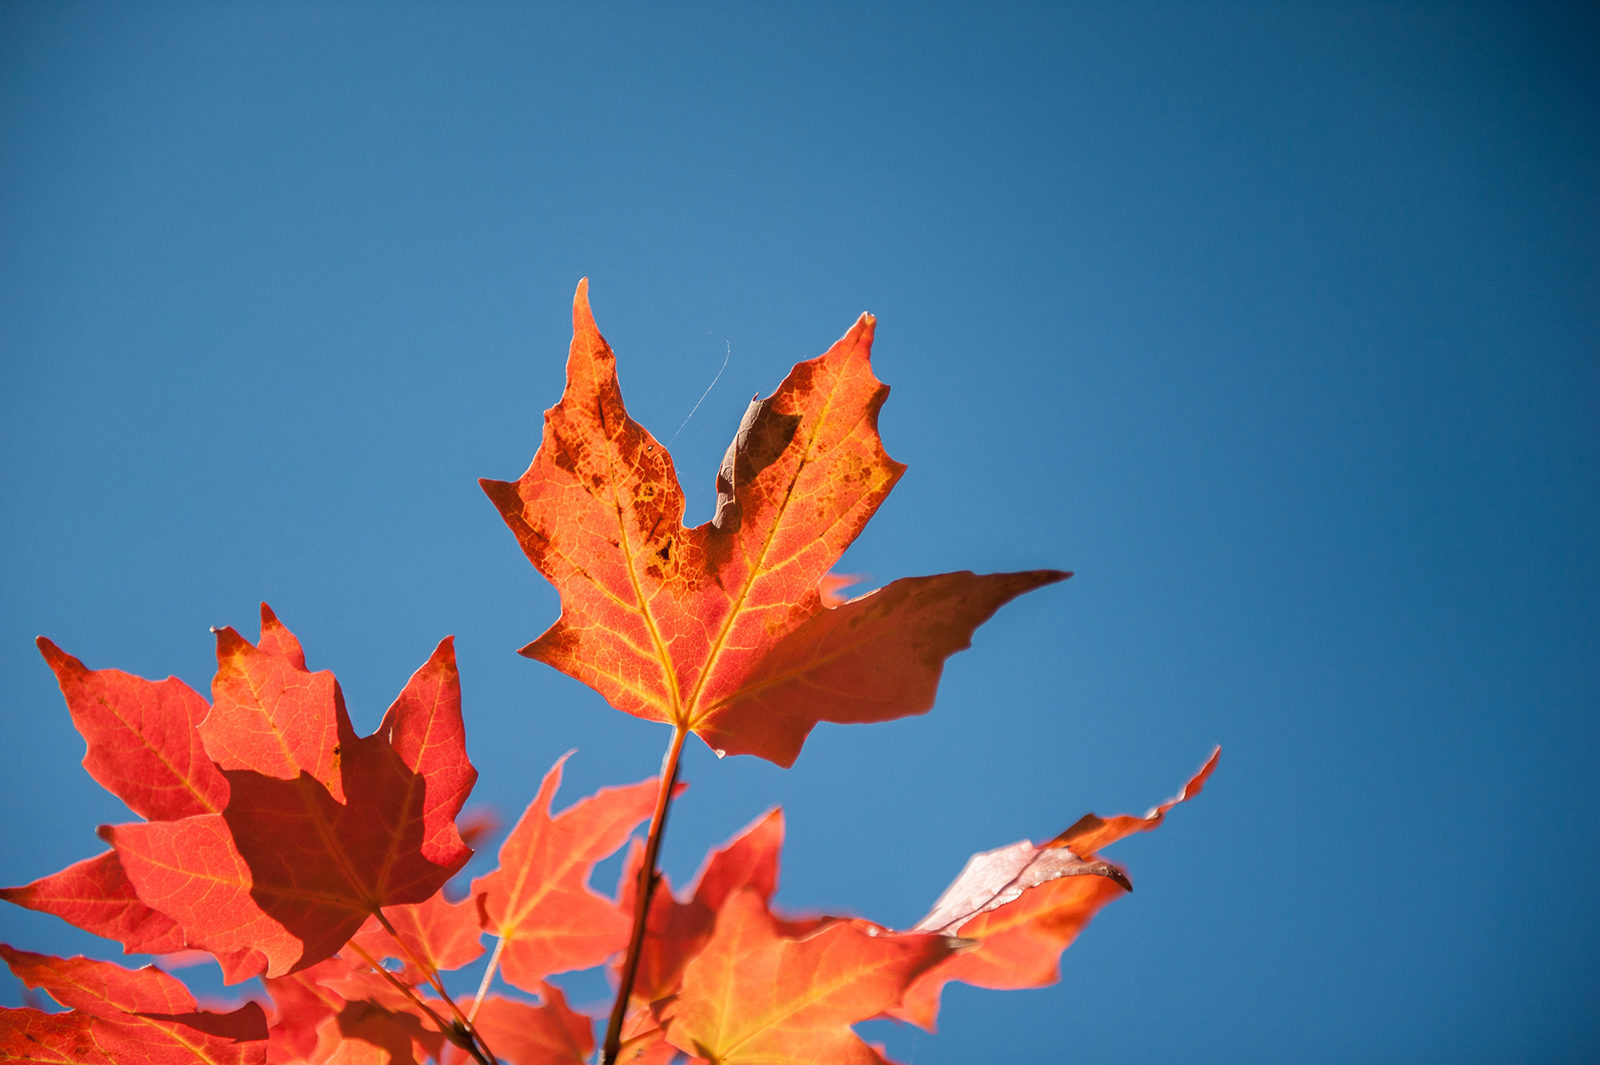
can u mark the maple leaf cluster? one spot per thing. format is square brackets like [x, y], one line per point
[277, 842]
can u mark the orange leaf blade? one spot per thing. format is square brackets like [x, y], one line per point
[1023, 905]
[1092, 833]
[270, 716]
[599, 512]
[877, 657]
[677, 930]
[753, 995]
[424, 727]
[724, 628]
[126, 1015]
[524, 1034]
[539, 900]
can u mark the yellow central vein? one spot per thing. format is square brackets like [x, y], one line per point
[663, 656]
[391, 850]
[272, 725]
[590, 578]
[775, 1017]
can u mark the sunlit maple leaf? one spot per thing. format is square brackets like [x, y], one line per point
[754, 995]
[1023, 905]
[96, 895]
[724, 629]
[539, 901]
[142, 746]
[124, 1016]
[320, 828]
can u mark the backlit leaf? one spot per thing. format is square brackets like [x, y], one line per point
[1023, 905]
[723, 628]
[539, 901]
[291, 868]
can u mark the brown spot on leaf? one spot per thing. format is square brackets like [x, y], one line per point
[764, 434]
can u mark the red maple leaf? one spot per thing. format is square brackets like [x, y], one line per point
[723, 629]
[120, 1015]
[97, 896]
[274, 830]
[143, 747]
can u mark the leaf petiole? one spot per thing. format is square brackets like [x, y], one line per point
[488, 978]
[452, 1030]
[648, 878]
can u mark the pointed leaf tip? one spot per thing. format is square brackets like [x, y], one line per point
[52, 654]
[276, 637]
[139, 739]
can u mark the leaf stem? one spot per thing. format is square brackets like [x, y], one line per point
[429, 973]
[648, 877]
[488, 978]
[445, 1027]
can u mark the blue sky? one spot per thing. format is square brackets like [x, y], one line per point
[1276, 323]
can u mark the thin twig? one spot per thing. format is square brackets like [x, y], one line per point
[488, 978]
[641, 902]
[444, 1026]
[431, 975]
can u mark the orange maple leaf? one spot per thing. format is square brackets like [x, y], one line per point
[142, 747]
[754, 995]
[522, 1033]
[1022, 905]
[675, 931]
[539, 902]
[723, 629]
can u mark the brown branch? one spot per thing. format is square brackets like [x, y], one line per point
[645, 891]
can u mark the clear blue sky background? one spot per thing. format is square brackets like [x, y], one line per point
[1277, 323]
